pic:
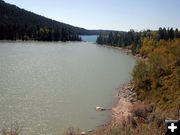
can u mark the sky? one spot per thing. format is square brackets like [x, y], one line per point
[120, 15]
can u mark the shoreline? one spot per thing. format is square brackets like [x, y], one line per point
[127, 110]
[124, 50]
[122, 110]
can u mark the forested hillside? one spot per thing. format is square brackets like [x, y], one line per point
[19, 24]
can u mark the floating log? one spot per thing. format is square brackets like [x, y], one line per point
[98, 108]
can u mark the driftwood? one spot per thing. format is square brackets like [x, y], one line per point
[98, 108]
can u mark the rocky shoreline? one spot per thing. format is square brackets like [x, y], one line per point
[122, 112]
[129, 110]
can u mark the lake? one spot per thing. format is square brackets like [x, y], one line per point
[46, 87]
[89, 38]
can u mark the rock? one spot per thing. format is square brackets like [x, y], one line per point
[83, 133]
[125, 96]
[133, 100]
[129, 87]
[133, 94]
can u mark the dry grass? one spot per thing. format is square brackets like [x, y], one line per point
[152, 122]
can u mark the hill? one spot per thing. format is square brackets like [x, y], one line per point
[19, 24]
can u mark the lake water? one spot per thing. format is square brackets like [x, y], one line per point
[89, 38]
[47, 87]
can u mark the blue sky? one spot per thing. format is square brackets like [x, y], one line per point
[108, 14]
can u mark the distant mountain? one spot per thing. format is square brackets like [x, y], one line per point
[19, 24]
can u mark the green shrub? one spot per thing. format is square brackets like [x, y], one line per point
[141, 75]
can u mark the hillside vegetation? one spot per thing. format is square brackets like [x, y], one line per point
[156, 77]
[20, 24]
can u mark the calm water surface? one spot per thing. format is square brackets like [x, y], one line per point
[89, 38]
[47, 87]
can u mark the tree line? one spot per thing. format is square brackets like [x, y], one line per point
[134, 39]
[36, 32]
[19, 24]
